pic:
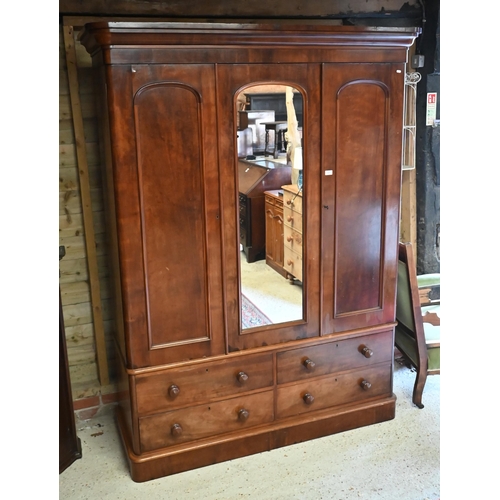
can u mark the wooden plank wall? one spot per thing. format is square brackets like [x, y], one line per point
[74, 267]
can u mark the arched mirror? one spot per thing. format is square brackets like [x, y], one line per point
[270, 186]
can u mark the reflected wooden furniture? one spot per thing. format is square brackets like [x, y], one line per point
[254, 178]
[418, 328]
[197, 389]
[278, 143]
[293, 237]
[254, 120]
[274, 230]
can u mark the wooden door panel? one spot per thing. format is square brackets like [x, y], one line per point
[362, 122]
[361, 179]
[172, 204]
[175, 306]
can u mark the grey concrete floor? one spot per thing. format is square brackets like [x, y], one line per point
[399, 459]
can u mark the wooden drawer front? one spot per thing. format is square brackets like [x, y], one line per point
[333, 357]
[292, 201]
[293, 263]
[292, 219]
[202, 382]
[270, 199]
[205, 420]
[274, 200]
[343, 388]
[293, 239]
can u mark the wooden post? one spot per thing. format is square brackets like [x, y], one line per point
[408, 229]
[83, 173]
[293, 132]
[408, 223]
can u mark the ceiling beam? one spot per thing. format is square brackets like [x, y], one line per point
[301, 9]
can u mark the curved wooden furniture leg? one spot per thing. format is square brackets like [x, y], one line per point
[418, 388]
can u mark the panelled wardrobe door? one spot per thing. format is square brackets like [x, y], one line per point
[361, 158]
[233, 79]
[169, 218]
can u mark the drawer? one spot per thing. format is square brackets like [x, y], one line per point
[292, 239]
[333, 390]
[292, 201]
[193, 384]
[270, 199]
[292, 262]
[206, 420]
[243, 234]
[273, 201]
[330, 357]
[292, 219]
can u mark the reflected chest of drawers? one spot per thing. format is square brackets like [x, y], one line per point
[293, 234]
[274, 230]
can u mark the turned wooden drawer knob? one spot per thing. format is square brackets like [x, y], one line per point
[308, 398]
[243, 415]
[242, 377]
[173, 391]
[365, 385]
[367, 352]
[289, 238]
[176, 430]
[309, 364]
[289, 262]
[288, 202]
[289, 218]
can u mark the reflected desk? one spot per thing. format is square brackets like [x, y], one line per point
[254, 178]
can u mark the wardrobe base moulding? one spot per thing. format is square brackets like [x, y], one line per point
[193, 455]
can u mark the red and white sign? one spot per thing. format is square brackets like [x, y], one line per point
[431, 108]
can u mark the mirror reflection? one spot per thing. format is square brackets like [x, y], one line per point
[270, 165]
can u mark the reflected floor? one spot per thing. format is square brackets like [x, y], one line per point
[274, 295]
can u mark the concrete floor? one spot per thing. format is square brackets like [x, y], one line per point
[399, 459]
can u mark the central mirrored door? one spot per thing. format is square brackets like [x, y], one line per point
[269, 167]
[269, 129]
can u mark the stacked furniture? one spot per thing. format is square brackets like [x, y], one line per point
[196, 389]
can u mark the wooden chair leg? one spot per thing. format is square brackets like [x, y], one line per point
[418, 388]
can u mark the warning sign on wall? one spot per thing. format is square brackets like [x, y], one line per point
[431, 107]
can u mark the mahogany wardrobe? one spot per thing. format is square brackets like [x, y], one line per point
[197, 386]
